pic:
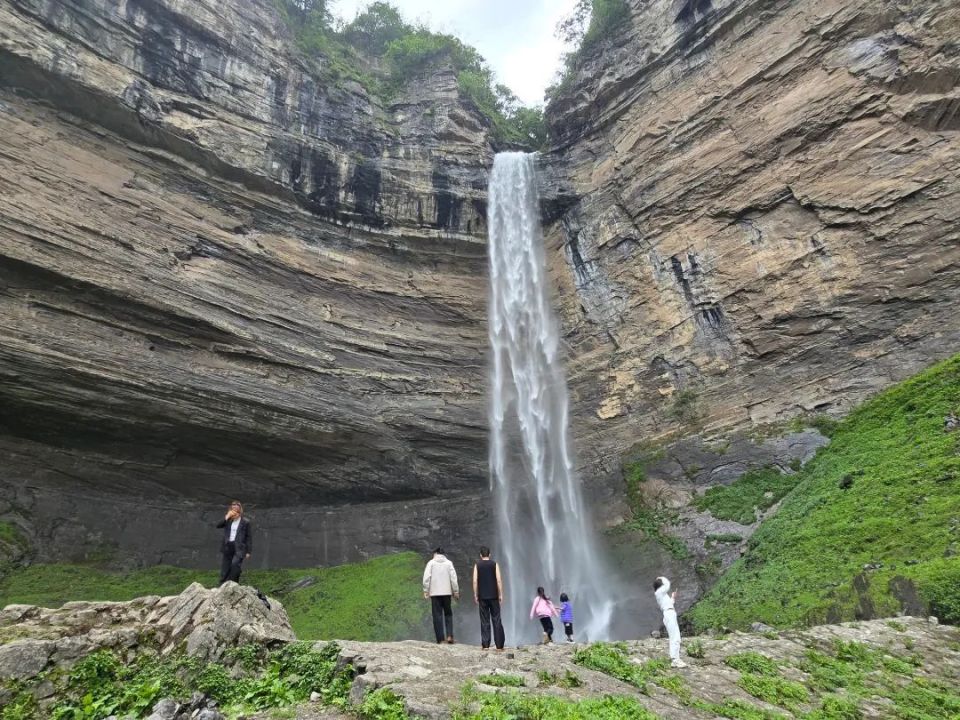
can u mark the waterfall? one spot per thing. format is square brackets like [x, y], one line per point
[544, 534]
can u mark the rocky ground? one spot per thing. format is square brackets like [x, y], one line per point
[876, 664]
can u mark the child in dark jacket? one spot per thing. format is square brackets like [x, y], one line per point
[566, 616]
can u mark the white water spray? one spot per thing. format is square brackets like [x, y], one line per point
[545, 536]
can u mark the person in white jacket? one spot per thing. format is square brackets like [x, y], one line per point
[439, 584]
[665, 599]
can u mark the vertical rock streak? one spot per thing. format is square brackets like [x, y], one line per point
[545, 536]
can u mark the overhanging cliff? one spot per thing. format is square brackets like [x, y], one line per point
[226, 274]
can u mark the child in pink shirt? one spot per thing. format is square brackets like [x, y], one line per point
[545, 610]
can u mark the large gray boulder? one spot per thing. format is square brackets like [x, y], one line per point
[207, 622]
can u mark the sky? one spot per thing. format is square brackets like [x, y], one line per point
[515, 36]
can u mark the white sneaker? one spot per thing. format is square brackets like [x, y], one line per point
[678, 664]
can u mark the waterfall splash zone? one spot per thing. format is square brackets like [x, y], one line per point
[545, 536]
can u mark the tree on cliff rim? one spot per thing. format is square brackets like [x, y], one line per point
[589, 23]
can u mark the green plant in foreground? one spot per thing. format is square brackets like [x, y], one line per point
[382, 704]
[22, 704]
[501, 680]
[835, 707]
[737, 710]
[774, 690]
[101, 684]
[695, 648]
[752, 662]
[612, 659]
[512, 705]
[568, 680]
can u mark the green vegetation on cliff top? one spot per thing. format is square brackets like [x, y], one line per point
[374, 600]
[384, 53]
[873, 521]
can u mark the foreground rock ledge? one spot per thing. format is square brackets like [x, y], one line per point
[430, 677]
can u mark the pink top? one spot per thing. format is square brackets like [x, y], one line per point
[543, 608]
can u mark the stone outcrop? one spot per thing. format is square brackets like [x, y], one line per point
[206, 623]
[896, 658]
[227, 271]
[431, 678]
[753, 213]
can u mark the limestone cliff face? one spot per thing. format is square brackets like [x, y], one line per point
[225, 275]
[754, 213]
[224, 272]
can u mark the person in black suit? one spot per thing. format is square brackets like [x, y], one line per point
[237, 543]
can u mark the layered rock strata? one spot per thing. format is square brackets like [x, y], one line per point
[755, 214]
[227, 272]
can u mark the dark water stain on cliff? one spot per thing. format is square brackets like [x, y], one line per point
[165, 41]
[279, 106]
[324, 184]
[365, 187]
[449, 206]
[690, 10]
[695, 18]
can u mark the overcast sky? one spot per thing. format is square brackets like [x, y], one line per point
[515, 36]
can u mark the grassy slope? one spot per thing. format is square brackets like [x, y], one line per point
[886, 490]
[375, 600]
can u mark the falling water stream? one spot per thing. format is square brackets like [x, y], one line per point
[545, 536]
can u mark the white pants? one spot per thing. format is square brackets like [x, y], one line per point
[673, 632]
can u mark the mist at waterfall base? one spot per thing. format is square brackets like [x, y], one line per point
[544, 531]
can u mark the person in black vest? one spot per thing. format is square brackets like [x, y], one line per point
[488, 594]
[237, 543]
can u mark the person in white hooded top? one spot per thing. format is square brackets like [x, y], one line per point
[665, 599]
[439, 583]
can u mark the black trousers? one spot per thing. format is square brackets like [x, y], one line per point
[442, 613]
[547, 624]
[490, 612]
[231, 564]
[568, 629]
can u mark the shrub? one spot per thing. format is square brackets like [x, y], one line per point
[752, 662]
[506, 705]
[612, 659]
[502, 680]
[774, 690]
[382, 704]
[939, 583]
[695, 648]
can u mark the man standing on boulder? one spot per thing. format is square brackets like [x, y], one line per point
[488, 594]
[439, 583]
[237, 543]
